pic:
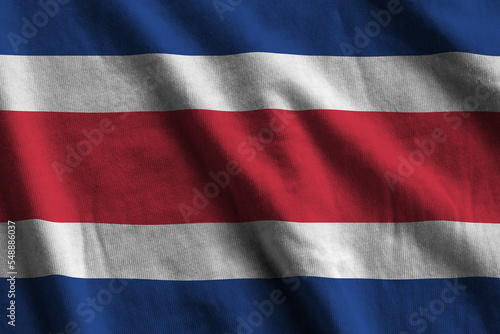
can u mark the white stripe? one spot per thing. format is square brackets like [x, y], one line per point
[162, 82]
[264, 249]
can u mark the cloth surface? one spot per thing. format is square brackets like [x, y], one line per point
[237, 166]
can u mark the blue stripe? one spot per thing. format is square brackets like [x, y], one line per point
[306, 27]
[307, 305]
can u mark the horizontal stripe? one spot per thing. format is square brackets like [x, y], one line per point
[249, 82]
[265, 249]
[295, 305]
[311, 166]
[305, 27]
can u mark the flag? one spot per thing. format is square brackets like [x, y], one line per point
[237, 166]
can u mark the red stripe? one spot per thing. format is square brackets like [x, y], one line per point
[323, 166]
